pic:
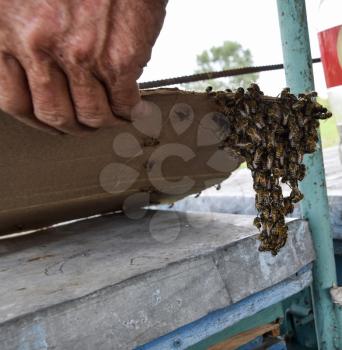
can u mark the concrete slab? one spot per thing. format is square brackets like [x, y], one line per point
[117, 283]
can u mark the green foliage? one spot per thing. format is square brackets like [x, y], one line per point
[227, 56]
[328, 128]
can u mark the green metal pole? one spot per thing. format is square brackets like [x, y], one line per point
[315, 208]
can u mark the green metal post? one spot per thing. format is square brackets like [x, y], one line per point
[315, 208]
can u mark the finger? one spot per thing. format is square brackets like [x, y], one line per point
[15, 97]
[52, 102]
[123, 96]
[90, 101]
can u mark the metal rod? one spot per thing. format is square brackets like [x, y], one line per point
[315, 207]
[212, 75]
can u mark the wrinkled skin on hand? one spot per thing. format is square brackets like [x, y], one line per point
[72, 65]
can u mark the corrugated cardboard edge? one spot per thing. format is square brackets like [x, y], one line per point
[49, 179]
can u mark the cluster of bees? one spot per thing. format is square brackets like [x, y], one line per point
[272, 134]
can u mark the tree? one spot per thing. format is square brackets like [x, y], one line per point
[229, 55]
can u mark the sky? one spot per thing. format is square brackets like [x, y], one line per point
[192, 26]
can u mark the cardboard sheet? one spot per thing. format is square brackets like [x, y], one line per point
[174, 152]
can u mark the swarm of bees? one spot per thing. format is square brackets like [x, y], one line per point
[272, 135]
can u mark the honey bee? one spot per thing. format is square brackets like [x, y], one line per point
[293, 183]
[226, 111]
[313, 134]
[227, 103]
[301, 172]
[247, 109]
[293, 156]
[276, 215]
[307, 122]
[248, 146]
[280, 230]
[309, 109]
[300, 119]
[285, 93]
[281, 234]
[232, 140]
[264, 214]
[296, 195]
[310, 146]
[299, 104]
[257, 223]
[259, 183]
[254, 91]
[269, 163]
[294, 136]
[261, 246]
[253, 134]
[250, 167]
[294, 142]
[258, 205]
[280, 150]
[241, 125]
[278, 172]
[313, 95]
[300, 154]
[293, 126]
[243, 113]
[259, 121]
[239, 95]
[253, 106]
[269, 225]
[255, 88]
[249, 160]
[325, 115]
[273, 182]
[293, 170]
[271, 139]
[275, 112]
[261, 197]
[257, 157]
[150, 142]
[262, 237]
[288, 206]
[277, 197]
[286, 116]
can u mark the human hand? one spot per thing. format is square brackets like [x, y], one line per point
[72, 65]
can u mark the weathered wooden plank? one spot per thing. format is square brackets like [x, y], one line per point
[227, 201]
[245, 337]
[137, 279]
[221, 319]
[165, 154]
